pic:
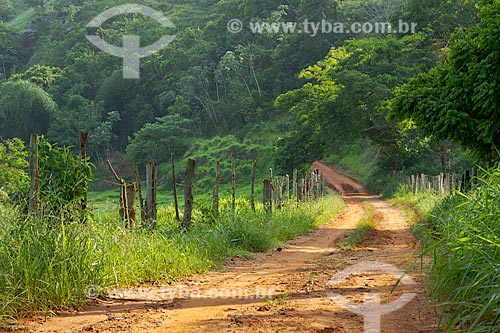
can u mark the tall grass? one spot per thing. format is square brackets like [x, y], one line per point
[462, 235]
[47, 263]
[466, 259]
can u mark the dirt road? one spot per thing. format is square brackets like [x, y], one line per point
[297, 278]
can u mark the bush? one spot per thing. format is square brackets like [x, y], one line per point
[13, 162]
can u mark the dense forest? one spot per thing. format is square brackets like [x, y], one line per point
[301, 97]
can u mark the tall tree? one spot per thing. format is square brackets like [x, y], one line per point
[458, 99]
[25, 108]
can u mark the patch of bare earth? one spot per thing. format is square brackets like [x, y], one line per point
[296, 277]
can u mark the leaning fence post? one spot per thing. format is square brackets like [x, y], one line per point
[188, 193]
[34, 199]
[127, 199]
[128, 213]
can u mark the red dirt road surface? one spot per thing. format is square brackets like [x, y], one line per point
[296, 279]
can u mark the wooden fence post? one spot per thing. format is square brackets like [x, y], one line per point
[34, 199]
[278, 190]
[308, 187]
[300, 190]
[188, 193]
[314, 187]
[174, 187]
[271, 189]
[127, 199]
[252, 189]
[294, 182]
[233, 183]
[321, 186]
[139, 191]
[151, 192]
[84, 136]
[215, 196]
[267, 196]
[474, 175]
[287, 190]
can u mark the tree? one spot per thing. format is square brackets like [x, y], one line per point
[44, 76]
[10, 51]
[347, 94]
[25, 108]
[156, 141]
[64, 180]
[458, 99]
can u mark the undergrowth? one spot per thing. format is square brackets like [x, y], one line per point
[48, 263]
[462, 237]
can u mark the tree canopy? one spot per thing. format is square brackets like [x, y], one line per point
[458, 99]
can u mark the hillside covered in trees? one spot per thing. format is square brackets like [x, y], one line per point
[304, 97]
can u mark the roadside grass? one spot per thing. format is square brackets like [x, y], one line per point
[461, 233]
[466, 258]
[417, 208]
[365, 226]
[48, 263]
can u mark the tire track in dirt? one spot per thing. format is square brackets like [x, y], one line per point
[297, 275]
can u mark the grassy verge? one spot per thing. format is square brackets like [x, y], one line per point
[47, 264]
[465, 270]
[365, 225]
[462, 234]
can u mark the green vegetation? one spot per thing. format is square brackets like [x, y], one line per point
[460, 233]
[380, 106]
[458, 99]
[13, 156]
[464, 273]
[365, 225]
[48, 262]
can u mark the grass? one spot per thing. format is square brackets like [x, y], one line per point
[365, 226]
[47, 263]
[466, 258]
[417, 208]
[462, 235]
